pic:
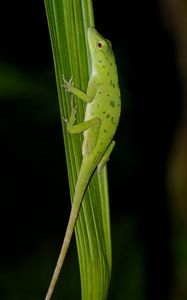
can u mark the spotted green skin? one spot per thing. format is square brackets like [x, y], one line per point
[106, 103]
[99, 126]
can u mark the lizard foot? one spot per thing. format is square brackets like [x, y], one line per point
[67, 84]
[72, 119]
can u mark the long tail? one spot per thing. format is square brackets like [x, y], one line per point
[85, 174]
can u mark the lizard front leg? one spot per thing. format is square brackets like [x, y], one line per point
[86, 97]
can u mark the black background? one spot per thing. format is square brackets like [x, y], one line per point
[33, 184]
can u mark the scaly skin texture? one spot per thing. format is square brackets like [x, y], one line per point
[100, 124]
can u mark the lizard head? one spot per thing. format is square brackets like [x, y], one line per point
[100, 48]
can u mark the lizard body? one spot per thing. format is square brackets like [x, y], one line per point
[99, 126]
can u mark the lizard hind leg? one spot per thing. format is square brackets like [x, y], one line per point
[105, 157]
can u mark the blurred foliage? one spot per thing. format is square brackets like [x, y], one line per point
[176, 24]
[148, 220]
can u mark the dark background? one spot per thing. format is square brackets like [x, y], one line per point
[33, 180]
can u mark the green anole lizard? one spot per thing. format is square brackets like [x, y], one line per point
[99, 126]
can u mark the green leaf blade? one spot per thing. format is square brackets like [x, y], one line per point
[68, 21]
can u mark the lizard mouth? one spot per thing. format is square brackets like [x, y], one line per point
[91, 33]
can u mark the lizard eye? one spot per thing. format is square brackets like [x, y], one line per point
[100, 45]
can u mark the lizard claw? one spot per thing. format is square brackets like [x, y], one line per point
[73, 113]
[73, 107]
[67, 84]
[65, 120]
